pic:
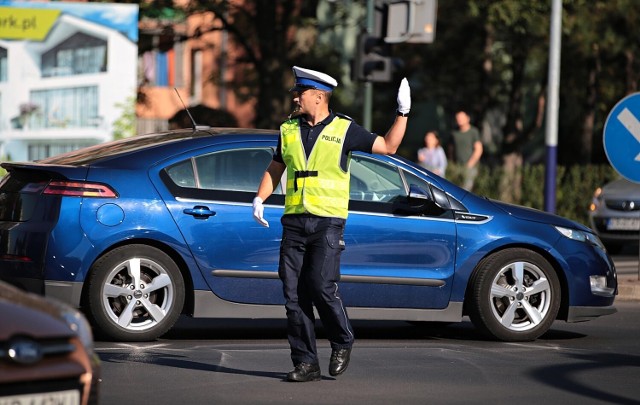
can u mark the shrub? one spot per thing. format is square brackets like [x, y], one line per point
[574, 186]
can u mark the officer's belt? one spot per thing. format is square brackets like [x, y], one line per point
[300, 174]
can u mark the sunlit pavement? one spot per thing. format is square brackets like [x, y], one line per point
[628, 275]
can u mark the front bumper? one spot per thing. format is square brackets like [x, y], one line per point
[581, 314]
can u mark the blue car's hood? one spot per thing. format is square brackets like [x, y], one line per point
[530, 214]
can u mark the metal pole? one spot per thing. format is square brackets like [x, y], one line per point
[368, 105]
[551, 136]
[368, 86]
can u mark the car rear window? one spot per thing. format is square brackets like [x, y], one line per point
[19, 196]
[90, 154]
[230, 170]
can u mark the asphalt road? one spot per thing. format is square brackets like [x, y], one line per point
[245, 362]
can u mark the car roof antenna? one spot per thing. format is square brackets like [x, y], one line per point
[195, 127]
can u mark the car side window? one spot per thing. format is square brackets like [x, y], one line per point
[182, 174]
[229, 170]
[372, 180]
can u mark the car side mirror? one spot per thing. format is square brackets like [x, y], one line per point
[418, 197]
[417, 193]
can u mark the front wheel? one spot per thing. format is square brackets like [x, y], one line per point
[514, 295]
[136, 293]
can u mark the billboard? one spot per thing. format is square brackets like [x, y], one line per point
[66, 70]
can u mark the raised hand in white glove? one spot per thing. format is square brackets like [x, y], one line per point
[404, 97]
[258, 212]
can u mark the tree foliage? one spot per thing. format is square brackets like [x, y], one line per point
[490, 56]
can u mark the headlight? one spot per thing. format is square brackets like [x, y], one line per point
[77, 323]
[581, 236]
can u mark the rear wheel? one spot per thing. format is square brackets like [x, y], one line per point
[514, 295]
[136, 293]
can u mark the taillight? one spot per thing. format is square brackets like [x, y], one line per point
[79, 189]
[14, 258]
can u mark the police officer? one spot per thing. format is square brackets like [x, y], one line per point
[314, 148]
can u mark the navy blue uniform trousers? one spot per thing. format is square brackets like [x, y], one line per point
[310, 270]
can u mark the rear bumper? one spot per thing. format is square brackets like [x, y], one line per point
[69, 292]
[33, 285]
[581, 314]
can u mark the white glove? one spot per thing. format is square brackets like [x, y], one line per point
[258, 212]
[404, 97]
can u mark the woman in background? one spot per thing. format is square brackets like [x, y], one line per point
[432, 156]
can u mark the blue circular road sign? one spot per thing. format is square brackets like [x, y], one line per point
[622, 137]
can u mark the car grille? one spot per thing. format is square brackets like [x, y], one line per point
[623, 205]
[32, 351]
[48, 349]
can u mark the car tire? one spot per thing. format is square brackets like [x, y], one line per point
[136, 293]
[514, 295]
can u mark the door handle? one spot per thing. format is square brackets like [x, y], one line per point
[199, 212]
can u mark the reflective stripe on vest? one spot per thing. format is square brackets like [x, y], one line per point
[321, 186]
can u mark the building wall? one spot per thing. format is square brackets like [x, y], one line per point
[200, 73]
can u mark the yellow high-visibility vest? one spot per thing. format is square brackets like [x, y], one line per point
[316, 185]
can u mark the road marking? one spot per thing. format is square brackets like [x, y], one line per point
[632, 124]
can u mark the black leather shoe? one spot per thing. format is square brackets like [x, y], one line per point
[339, 361]
[304, 372]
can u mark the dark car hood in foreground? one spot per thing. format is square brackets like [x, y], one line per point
[26, 314]
[530, 214]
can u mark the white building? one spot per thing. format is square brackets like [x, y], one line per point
[63, 93]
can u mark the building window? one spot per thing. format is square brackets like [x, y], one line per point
[37, 151]
[160, 60]
[78, 54]
[66, 108]
[161, 68]
[4, 64]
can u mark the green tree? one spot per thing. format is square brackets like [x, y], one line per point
[125, 125]
[601, 42]
[490, 56]
[271, 34]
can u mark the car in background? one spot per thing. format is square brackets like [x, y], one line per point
[139, 231]
[46, 351]
[614, 214]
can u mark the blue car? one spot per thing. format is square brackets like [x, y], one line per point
[137, 232]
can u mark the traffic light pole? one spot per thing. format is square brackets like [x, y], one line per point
[367, 105]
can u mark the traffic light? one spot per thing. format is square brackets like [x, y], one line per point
[373, 61]
[411, 21]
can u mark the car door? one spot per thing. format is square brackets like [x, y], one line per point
[398, 253]
[210, 198]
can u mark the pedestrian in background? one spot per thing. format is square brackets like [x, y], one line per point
[432, 156]
[315, 148]
[467, 147]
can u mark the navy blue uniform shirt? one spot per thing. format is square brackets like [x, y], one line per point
[356, 139]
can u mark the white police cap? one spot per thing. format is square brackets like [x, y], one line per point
[312, 79]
